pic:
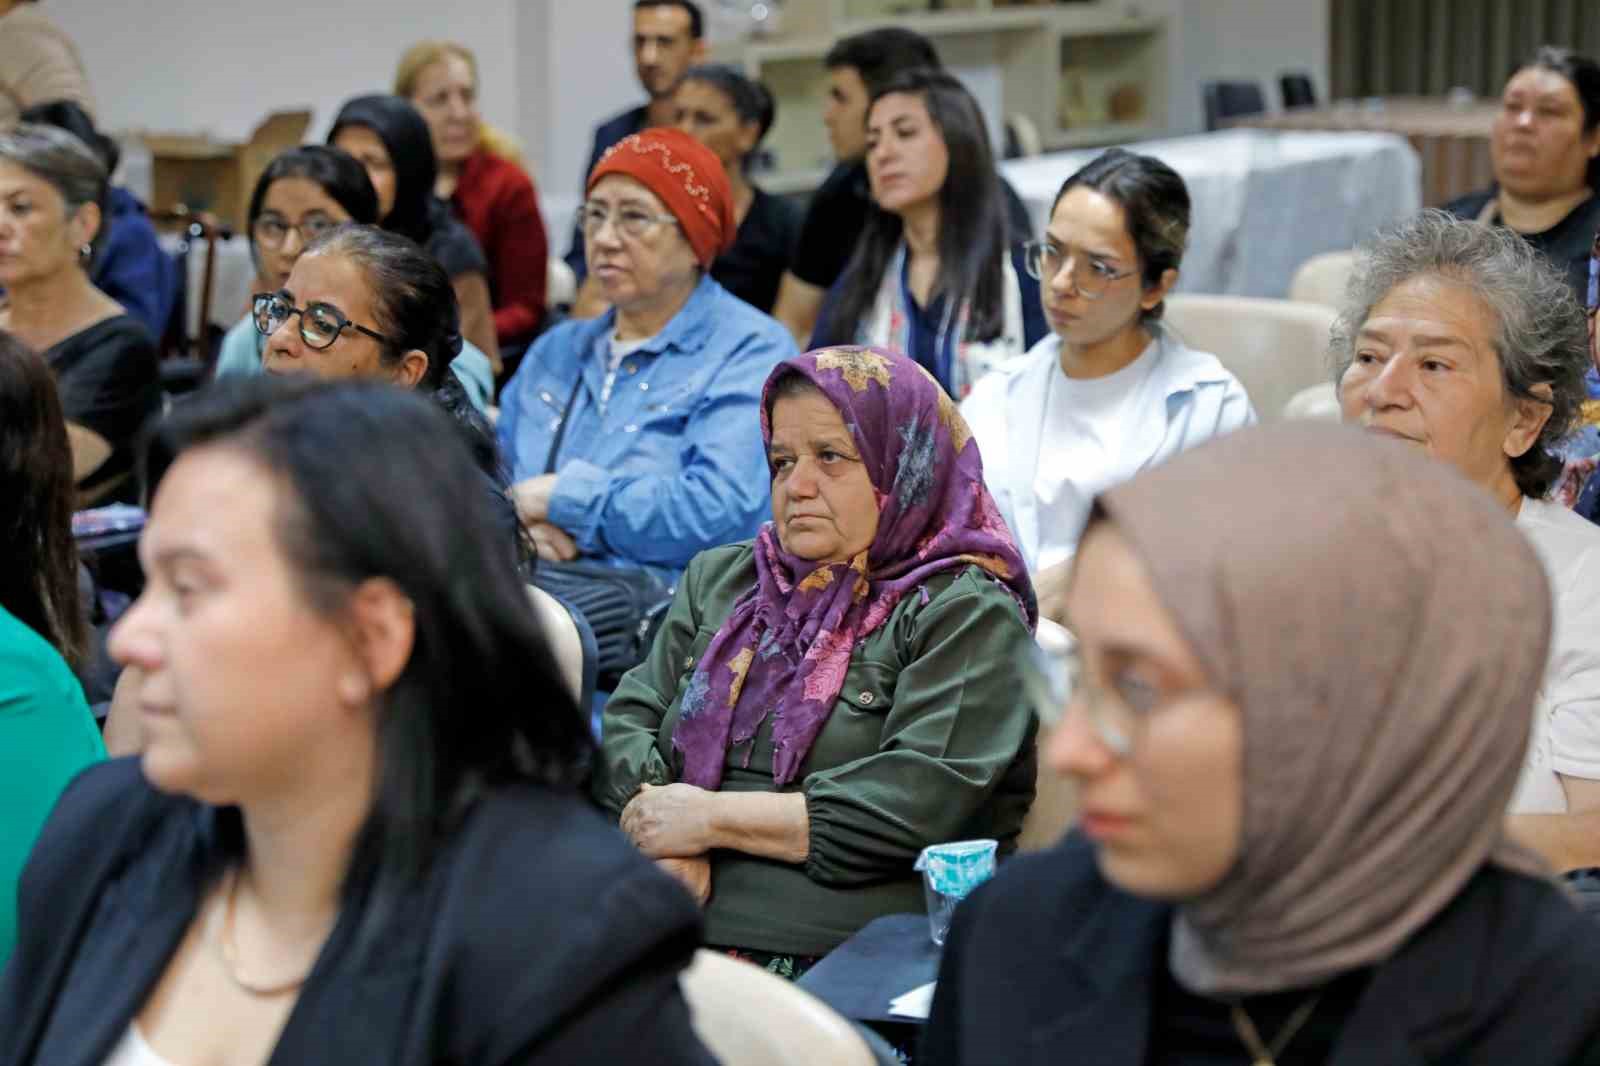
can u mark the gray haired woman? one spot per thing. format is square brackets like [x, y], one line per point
[53, 191]
[1462, 340]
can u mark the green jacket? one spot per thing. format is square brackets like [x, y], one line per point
[930, 741]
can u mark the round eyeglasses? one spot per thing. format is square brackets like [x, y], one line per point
[272, 232]
[631, 221]
[1090, 276]
[320, 323]
[1055, 679]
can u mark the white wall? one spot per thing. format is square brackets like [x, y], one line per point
[1247, 39]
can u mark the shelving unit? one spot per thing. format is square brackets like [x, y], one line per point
[1086, 72]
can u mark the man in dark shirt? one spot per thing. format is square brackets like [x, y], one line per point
[668, 39]
[857, 66]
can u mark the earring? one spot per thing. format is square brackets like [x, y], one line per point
[85, 251]
[353, 689]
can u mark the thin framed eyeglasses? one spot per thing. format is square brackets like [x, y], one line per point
[320, 323]
[272, 232]
[1090, 276]
[1056, 679]
[631, 221]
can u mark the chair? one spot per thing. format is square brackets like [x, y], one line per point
[1022, 140]
[1320, 401]
[1322, 278]
[749, 1017]
[1231, 99]
[560, 284]
[565, 633]
[1296, 89]
[1275, 348]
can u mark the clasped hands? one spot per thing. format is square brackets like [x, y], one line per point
[531, 497]
[672, 825]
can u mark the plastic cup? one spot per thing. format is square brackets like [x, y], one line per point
[949, 872]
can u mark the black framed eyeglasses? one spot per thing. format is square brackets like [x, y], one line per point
[320, 323]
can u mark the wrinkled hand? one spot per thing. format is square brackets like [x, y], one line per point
[1050, 586]
[693, 874]
[669, 821]
[552, 543]
[532, 498]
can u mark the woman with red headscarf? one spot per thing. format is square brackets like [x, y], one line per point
[632, 437]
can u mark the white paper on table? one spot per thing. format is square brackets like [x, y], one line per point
[915, 1003]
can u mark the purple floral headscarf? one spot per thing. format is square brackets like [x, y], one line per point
[785, 648]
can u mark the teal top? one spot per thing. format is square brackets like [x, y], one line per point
[929, 741]
[242, 345]
[47, 735]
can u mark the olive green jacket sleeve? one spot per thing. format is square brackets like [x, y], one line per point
[956, 726]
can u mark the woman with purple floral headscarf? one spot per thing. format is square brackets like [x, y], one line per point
[827, 700]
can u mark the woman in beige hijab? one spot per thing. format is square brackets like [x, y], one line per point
[1301, 708]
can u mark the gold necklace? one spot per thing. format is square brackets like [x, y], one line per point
[1263, 1055]
[228, 951]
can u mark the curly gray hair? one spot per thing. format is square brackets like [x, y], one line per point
[1542, 337]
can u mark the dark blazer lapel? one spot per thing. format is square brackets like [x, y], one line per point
[1106, 977]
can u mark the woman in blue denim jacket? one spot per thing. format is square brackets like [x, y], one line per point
[633, 437]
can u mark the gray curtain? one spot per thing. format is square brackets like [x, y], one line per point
[1428, 47]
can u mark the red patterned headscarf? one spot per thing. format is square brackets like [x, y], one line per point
[687, 177]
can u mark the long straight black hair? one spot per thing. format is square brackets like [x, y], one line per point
[377, 484]
[39, 577]
[973, 233]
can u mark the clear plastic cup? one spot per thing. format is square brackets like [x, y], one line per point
[949, 872]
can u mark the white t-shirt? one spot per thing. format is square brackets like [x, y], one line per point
[132, 1050]
[1566, 725]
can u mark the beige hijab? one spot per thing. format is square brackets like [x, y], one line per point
[1383, 627]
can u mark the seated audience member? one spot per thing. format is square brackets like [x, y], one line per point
[668, 39]
[857, 66]
[52, 210]
[729, 114]
[38, 62]
[931, 276]
[46, 731]
[482, 178]
[362, 824]
[1579, 487]
[826, 701]
[1299, 708]
[632, 437]
[131, 267]
[1462, 340]
[304, 193]
[1112, 391]
[1545, 150]
[390, 139]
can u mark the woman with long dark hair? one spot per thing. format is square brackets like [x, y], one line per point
[46, 731]
[730, 114]
[388, 137]
[931, 275]
[342, 842]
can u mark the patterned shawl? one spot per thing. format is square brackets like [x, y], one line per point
[786, 646]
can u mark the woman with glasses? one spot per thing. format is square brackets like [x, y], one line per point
[304, 193]
[1301, 710]
[343, 842]
[1111, 391]
[931, 276]
[633, 437]
[53, 222]
[829, 699]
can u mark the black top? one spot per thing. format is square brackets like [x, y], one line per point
[1050, 963]
[451, 244]
[538, 935]
[1566, 244]
[838, 212]
[110, 382]
[1191, 1030]
[761, 251]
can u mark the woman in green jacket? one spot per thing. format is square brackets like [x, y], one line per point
[46, 731]
[827, 700]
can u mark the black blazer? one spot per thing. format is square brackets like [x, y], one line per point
[1049, 963]
[538, 936]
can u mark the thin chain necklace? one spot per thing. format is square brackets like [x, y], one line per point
[1264, 1055]
[228, 951]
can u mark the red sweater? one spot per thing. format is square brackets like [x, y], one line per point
[496, 200]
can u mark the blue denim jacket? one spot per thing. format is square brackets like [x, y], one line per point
[674, 463]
